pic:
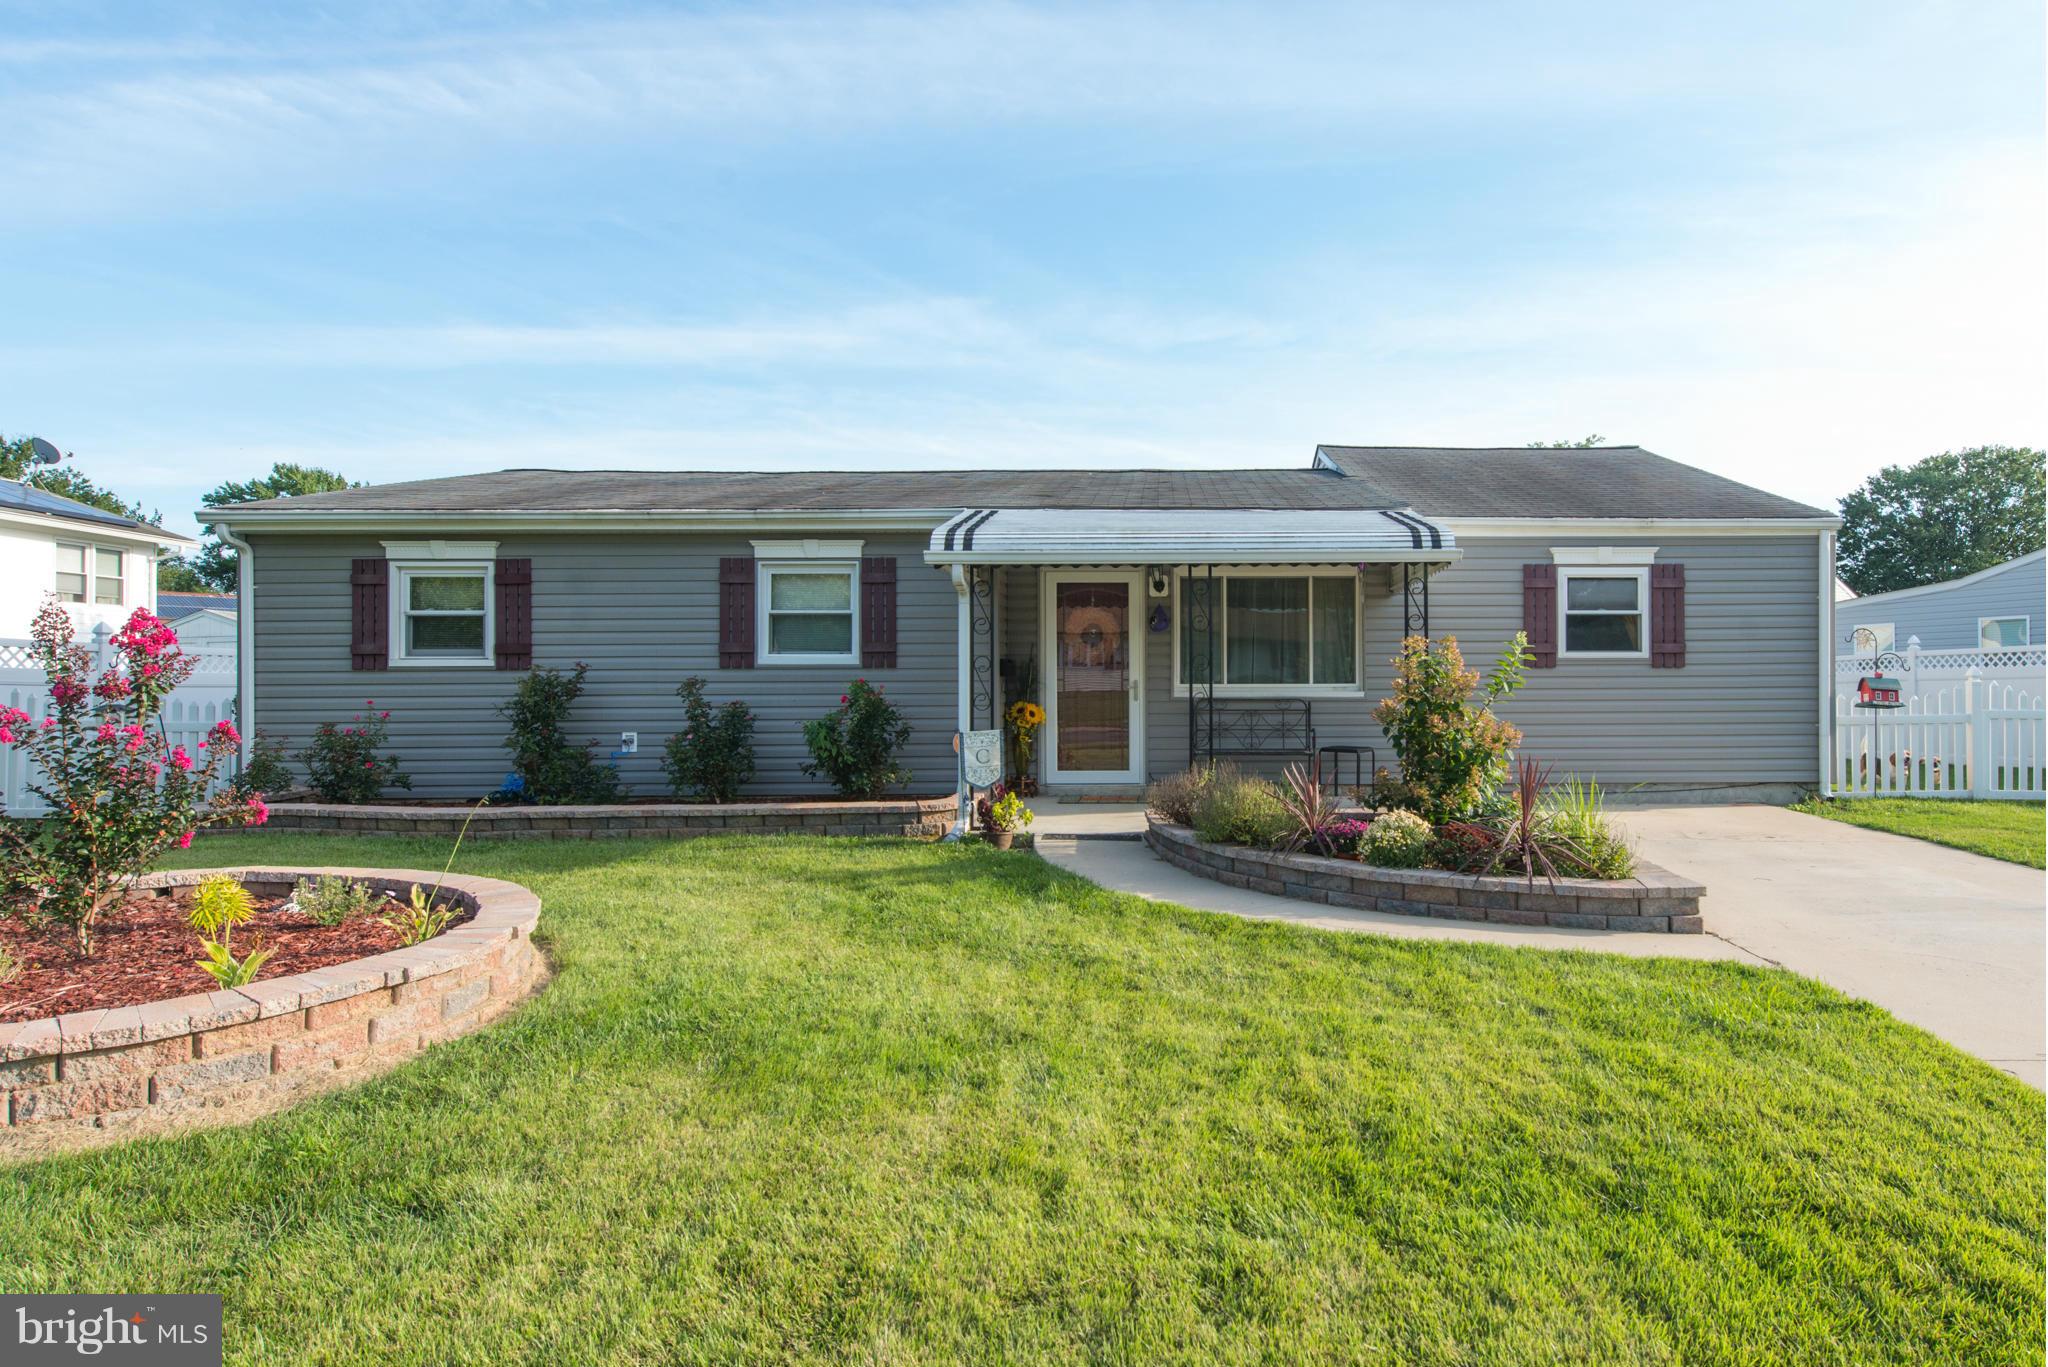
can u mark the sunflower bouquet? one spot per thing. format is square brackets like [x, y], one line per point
[1025, 717]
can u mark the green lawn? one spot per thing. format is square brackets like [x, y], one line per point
[886, 1102]
[2004, 830]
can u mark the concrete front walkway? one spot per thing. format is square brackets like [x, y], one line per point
[1952, 942]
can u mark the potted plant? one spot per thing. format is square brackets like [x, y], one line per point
[1003, 814]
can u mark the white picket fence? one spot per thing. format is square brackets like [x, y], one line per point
[1977, 738]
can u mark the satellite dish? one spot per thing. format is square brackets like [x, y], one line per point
[43, 453]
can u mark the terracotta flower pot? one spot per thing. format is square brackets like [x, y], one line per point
[1002, 839]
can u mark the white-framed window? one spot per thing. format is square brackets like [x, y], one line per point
[106, 576]
[441, 603]
[90, 574]
[1603, 601]
[1288, 632]
[2003, 633]
[807, 602]
[1871, 638]
[1603, 611]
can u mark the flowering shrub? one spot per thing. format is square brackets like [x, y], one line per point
[1397, 840]
[854, 747]
[1454, 750]
[119, 792]
[1343, 837]
[345, 763]
[551, 770]
[712, 757]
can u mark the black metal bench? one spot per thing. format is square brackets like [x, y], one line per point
[1250, 726]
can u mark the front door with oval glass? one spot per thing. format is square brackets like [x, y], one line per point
[1095, 643]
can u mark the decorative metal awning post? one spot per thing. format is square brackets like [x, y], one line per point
[1415, 599]
[981, 621]
[1198, 614]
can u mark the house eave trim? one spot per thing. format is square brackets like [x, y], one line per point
[608, 519]
[1463, 527]
[81, 529]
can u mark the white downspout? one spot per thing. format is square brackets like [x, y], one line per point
[964, 634]
[1827, 664]
[245, 636]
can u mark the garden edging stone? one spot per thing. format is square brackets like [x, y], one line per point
[167, 1065]
[1654, 900]
[926, 817]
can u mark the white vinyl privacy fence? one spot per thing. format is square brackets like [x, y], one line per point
[1976, 738]
[189, 713]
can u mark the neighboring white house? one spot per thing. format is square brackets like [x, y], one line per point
[102, 565]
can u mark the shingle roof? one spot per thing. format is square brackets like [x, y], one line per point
[27, 499]
[174, 606]
[729, 491]
[1619, 481]
[1522, 481]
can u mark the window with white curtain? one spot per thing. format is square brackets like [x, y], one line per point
[1274, 632]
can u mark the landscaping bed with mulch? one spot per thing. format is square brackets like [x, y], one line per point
[146, 951]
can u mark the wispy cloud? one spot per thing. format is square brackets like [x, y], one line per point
[1338, 79]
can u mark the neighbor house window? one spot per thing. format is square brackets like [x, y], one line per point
[441, 601]
[89, 574]
[1603, 610]
[2003, 633]
[72, 583]
[106, 576]
[1272, 632]
[808, 600]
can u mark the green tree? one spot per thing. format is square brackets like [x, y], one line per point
[177, 576]
[1582, 444]
[1942, 518]
[216, 563]
[17, 462]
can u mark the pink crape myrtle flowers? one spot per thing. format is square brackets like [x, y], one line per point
[118, 792]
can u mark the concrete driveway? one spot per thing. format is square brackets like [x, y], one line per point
[1952, 942]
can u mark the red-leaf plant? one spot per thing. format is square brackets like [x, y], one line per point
[119, 792]
[1522, 840]
[1311, 810]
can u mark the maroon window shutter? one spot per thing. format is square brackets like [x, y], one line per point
[878, 612]
[736, 612]
[1667, 616]
[513, 636]
[369, 583]
[1539, 614]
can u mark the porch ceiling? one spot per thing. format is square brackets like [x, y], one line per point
[1229, 536]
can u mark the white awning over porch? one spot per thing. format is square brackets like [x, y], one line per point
[1212, 536]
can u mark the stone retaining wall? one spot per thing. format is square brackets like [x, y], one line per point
[255, 1049]
[1654, 900]
[927, 817]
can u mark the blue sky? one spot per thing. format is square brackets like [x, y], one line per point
[1789, 243]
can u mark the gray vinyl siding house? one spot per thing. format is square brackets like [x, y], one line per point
[1718, 592]
[1955, 614]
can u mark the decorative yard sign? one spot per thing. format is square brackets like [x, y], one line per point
[981, 758]
[1875, 691]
